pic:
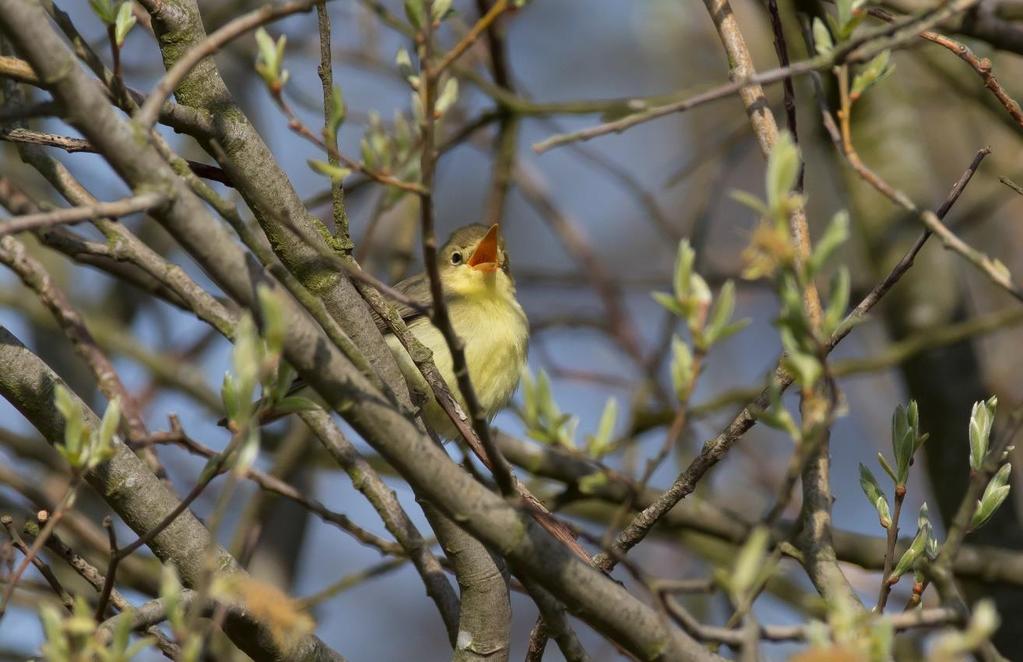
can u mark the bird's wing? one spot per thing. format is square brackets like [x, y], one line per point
[416, 288]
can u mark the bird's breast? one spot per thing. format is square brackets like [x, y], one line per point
[495, 334]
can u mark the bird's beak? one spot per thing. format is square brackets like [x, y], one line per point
[484, 258]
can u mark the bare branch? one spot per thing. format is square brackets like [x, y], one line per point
[124, 207]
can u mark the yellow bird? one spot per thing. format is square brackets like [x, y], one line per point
[480, 296]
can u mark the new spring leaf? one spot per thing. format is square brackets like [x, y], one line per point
[875, 495]
[981, 420]
[917, 548]
[995, 493]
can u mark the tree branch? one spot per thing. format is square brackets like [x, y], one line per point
[124, 207]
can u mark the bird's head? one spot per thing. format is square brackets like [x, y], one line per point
[473, 261]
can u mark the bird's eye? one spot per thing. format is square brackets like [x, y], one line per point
[456, 258]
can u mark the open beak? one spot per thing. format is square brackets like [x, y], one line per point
[485, 256]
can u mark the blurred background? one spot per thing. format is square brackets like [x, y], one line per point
[591, 230]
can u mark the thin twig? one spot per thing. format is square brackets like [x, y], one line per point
[350, 581]
[924, 618]
[471, 36]
[8, 523]
[51, 523]
[71, 215]
[74, 145]
[889, 553]
[108, 582]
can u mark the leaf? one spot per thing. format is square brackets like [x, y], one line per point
[123, 23]
[838, 300]
[669, 302]
[782, 171]
[903, 443]
[104, 9]
[887, 467]
[74, 422]
[875, 495]
[751, 201]
[566, 428]
[530, 408]
[591, 483]
[403, 61]
[338, 111]
[247, 359]
[266, 49]
[749, 562]
[723, 310]
[805, 367]
[271, 308]
[732, 329]
[415, 11]
[882, 639]
[440, 9]
[844, 8]
[699, 298]
[599, 443]
[916, 548]
[923, 517]
[822, 37]
[170, 594]
[248, 452]
[776, 416]
[984, 620]
[873, 72]
[548, 409]
[995, 493]
[122, 632]
[981, 419]
[913, 417]
[833, 237]
[848, 18]
[685, 256]
[229, 396]
[270, 58]
[57, 646]
[108, 428]
[417, 106]
[681, 368]
[335, 173]
[448, 96]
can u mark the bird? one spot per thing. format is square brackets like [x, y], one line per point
[479, 293]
